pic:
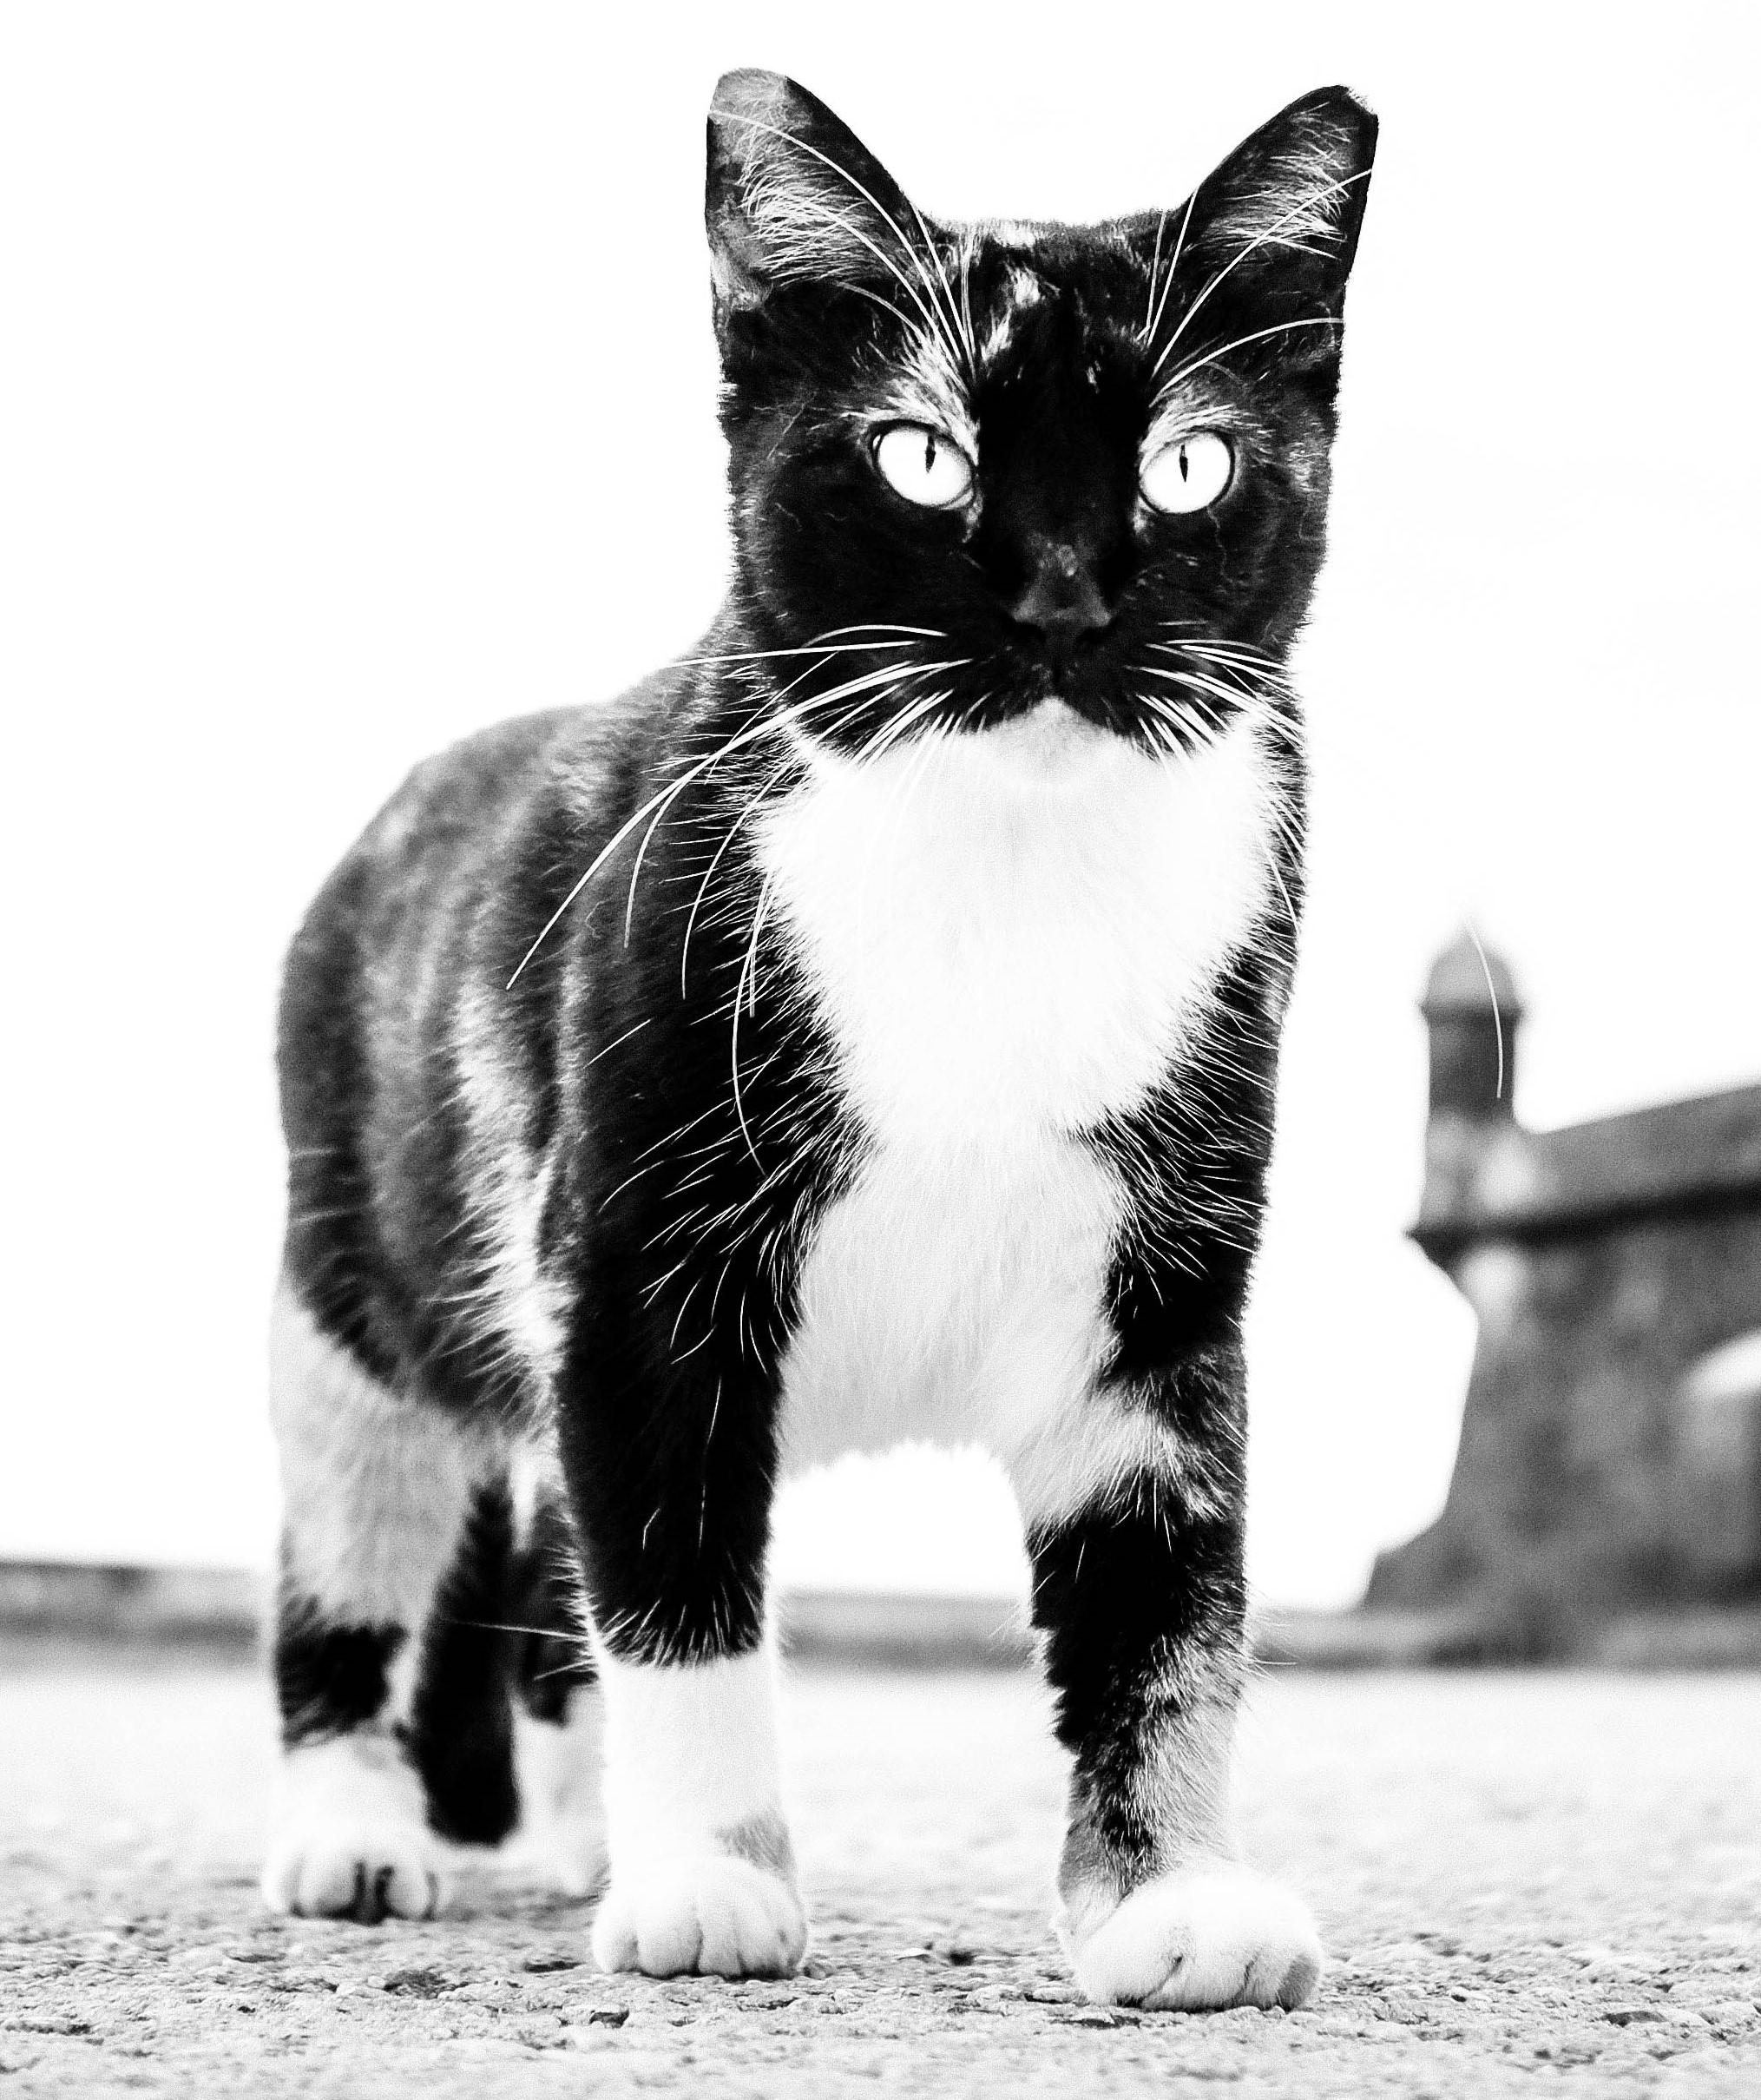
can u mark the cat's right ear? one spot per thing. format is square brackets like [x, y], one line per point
[793, 197]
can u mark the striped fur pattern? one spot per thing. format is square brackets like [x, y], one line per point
[865, 1029]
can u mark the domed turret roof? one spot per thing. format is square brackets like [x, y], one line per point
[1459, 981]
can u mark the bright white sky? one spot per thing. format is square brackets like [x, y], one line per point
[357, 388]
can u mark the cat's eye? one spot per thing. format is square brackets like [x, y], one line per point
[925, 466]
[1188, 474]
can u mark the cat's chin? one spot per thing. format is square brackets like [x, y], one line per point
[1051, 742]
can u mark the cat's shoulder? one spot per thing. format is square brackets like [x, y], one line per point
[572, 756]
[499, 811]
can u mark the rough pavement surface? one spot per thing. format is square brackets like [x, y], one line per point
[1527, 1884]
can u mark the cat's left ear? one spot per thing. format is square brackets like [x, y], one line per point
[1276, 224]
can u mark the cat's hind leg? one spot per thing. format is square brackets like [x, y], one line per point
[377, 1654]
[559, 1707]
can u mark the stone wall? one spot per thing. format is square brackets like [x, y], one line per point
[1594, 1478]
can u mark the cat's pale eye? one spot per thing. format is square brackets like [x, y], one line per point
[924, 465]
[1187, 474]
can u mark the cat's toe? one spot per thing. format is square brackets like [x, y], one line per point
[712, 1915]
[1199, 1940]
[358, 1871]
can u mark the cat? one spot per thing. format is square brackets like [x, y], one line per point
[865, 1029]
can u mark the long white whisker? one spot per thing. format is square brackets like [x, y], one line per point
[891, 732]
[932, 320]
[767, 725]
[816, 648]
[1240, 657]
[1149, 334]
[1313, 321]
[962, 332]
[635, 872]
[1265, 696]
[746, 986]
[889, 626]
[1219, 644]
[751, 964]
[547, 1633]
[1289, 909]
[1249, 662]
[1161, 727]
[1195, 682]
[967, 327]
[929, 313]
[1149, 303]
[745, 809]
[1497, 1018]
[1296, 211]
[1186, 728]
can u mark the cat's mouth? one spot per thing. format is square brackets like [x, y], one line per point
[1084, 681]
[1093, 703]
[1056, 711]
[1047, 739]
[1082, 690]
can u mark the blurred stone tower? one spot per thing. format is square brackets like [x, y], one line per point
[1610, 1459]
[1471, 1013]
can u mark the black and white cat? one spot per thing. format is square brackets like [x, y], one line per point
[865, 1030]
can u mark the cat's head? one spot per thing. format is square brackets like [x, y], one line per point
[981, 465]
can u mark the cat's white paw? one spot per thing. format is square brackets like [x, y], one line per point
[352, 1841]
[710, 1913]
[363, 1871]
[1201, 1939]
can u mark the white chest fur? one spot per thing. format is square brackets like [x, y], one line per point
[1007, 932]
[1007, 936]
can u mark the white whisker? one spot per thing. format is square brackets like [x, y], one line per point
[931, 317]
[1240, 342]
[1303, 205]
[751, 965]
[770, 724]
[1154, 323]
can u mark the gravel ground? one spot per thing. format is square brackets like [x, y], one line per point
[1526, 1883]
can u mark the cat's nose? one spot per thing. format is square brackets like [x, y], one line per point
[1062, 598]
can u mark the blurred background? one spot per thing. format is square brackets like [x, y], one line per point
[357, 388]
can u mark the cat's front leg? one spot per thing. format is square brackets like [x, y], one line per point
[673, 1487]
[1137, 1557]
[702, 1870]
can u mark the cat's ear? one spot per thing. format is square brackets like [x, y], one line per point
[1276, 224]
[794, 196]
